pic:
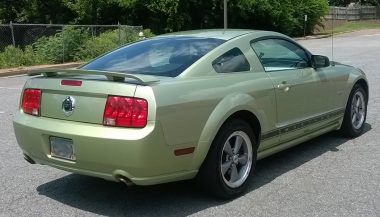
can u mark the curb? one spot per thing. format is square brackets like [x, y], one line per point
[312, 37]
[25, 70]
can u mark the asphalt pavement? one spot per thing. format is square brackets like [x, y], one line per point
[327, 176]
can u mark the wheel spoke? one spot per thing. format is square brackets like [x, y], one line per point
[358, 100]
[354, 102]
[234, 173]
[226, 166]
[228, 148]
[361, 107]
[243, 159]
[238, 143]
[354, 118]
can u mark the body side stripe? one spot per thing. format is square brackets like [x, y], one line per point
[302, 124]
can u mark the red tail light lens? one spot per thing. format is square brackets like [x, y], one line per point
[71, 83]
[31, 101]
[125, 112]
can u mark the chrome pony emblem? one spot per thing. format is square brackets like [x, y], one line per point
[68, 105]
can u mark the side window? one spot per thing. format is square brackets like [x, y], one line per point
[278, 54]
[231, 61]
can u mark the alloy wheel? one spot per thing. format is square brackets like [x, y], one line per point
[358, 110]
[236, 159]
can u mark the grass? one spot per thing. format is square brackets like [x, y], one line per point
[352, 26]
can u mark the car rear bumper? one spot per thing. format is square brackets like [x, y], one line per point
[141, 155]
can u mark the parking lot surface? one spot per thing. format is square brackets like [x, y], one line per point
[328, 176]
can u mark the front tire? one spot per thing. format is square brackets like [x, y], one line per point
[231, 160]
[355, 113]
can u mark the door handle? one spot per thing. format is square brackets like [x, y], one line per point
[284, 86]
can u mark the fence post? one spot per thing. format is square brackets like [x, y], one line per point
[118, 23]
[63, 44]
[13, 34]
[347, 15]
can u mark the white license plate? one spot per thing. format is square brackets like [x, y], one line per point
[62, 148]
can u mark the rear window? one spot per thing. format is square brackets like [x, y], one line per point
[159, 56]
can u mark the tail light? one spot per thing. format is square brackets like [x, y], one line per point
[125, 112]
[71, 83]
[31, 101]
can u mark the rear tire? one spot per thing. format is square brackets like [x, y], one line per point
[230, 162]
[356, 112]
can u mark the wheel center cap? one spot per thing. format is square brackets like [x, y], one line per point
[235, 159]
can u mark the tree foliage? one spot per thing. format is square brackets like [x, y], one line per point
[95, 11]
[161, 16]
[34, 11]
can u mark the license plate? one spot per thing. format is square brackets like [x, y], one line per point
[62, 148]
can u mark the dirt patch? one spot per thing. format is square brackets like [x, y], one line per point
[328, 24]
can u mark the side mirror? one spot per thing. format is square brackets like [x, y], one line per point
[319, 61]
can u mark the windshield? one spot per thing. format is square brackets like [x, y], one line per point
[159, 56]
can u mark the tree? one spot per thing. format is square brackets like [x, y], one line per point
[160, 15]
[42, 11]
[9, 10]
[286, 16]
[172, 15]
[34, 11]
[94, 11]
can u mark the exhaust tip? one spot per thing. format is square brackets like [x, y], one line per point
[29, 159]
[124, 180]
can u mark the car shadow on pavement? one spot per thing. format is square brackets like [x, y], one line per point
[175, 199]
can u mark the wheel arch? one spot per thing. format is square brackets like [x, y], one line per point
[346, 127]
[219, 118]
[251, 119]
[364, 84]
[360, 81]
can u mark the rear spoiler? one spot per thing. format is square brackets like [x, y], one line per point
[112, 76]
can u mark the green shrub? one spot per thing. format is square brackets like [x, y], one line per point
[96, 46]
[11, 57]
[62, 46]
[78, 46]
[31, 57]
[15, 57]
[148, 33]
[106, 42]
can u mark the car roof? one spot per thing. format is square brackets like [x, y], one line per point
[224, 34]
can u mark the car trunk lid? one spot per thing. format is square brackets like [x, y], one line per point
[81, 95]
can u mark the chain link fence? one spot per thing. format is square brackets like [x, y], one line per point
[21, 35]
[54, 43]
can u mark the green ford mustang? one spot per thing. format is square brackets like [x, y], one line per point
[198, 104]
